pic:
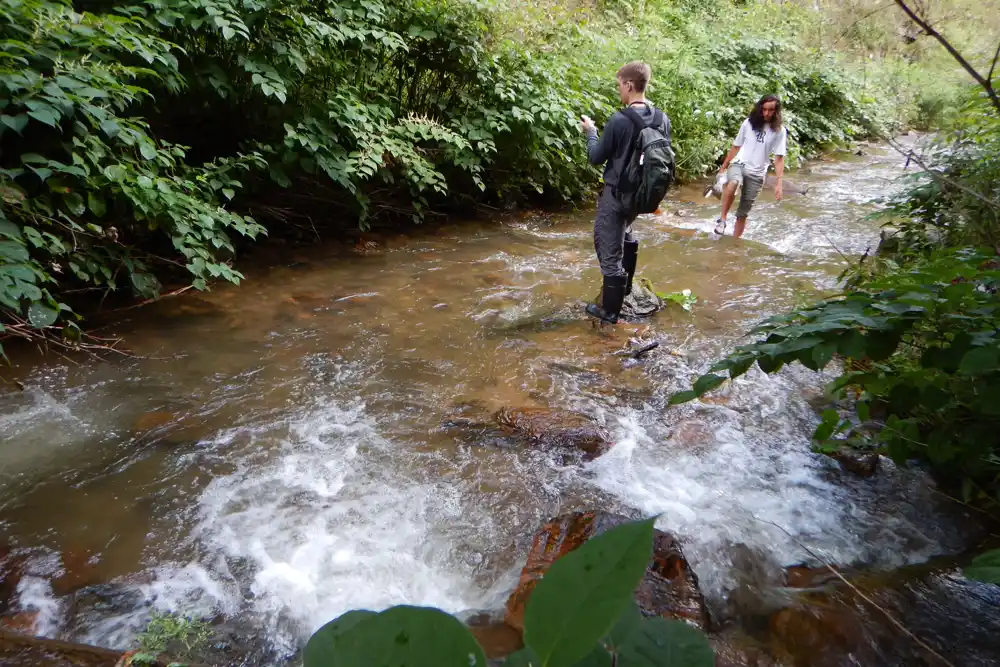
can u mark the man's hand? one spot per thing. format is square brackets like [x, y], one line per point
[777, 190]
[587, 125]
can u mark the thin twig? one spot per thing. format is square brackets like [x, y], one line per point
[994, 65]
[911, 154]
[858, 591]
[151, 300]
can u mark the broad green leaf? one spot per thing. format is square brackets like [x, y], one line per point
[115, 172]
[10, 230]
[707, 383]
[599, 657]
[145, 284]
[110, 128]
[322, 643]
[40, 315]
[980, 360]
[96, 204]
[582, 595]
[826, 427]
[662, 643]
[16, 123]
[147, 150]
[404, 636]
[683, 397]
[47, 115]
[627, 623]
[523, 658]
[74, 202]
[984, 567]
[852, 344]
[823, 354]
[13, 252]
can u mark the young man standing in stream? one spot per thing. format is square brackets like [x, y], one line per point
[617, 250]
[760, 136]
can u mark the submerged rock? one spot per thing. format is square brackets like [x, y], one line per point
[668, 589]
[491, 631]
[639, 304]
[862, 465]
[554, 428]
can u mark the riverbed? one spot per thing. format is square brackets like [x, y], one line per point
[276, 452]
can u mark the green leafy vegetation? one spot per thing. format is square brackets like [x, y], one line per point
[179, 635]
[985, 567]
[144, 142]
[580, 613]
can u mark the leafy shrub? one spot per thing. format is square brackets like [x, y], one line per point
[580, 613]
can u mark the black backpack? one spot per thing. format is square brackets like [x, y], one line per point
[649, 168]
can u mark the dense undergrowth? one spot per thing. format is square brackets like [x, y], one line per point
[145, 142]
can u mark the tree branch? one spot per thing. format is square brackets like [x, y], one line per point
[927, 28]
[994, 65]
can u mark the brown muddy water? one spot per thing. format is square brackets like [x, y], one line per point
[275, 454]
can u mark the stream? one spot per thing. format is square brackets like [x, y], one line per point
[275, 454]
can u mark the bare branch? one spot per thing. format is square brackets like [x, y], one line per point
[910, 154]
[993, 66]
[927, 28]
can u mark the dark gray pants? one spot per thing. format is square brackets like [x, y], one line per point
[612, 227]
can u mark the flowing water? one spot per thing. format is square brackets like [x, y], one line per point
[275, 453]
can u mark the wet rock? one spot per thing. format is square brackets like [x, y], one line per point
[496, 637]
[640, 303]
[668, 589]
[691, 433]
[11, 570]
[151, 420]
[815, 635]
[802, 576]
[731, 653]
[553, 428]
[79, 571]
[22, 623]
[862, 465]
[23, 651]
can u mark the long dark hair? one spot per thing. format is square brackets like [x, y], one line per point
[757, 115]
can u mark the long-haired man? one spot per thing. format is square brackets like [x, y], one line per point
[761, 135]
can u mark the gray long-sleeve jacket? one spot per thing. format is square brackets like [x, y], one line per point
[613, 144]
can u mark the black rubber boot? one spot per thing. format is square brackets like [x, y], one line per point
[629, 261]
[613, 295]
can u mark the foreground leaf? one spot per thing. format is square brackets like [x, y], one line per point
[41, 315]
[402, 636]
[985, 567]
[323, 642]
[658, 642]
[585, 592]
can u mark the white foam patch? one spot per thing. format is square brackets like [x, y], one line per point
[755, 474]
[328, 527]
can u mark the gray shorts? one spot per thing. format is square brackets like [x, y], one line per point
[751, 188]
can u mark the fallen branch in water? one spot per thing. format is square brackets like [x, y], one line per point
[860, 594]
[176, 292]
[54, 337]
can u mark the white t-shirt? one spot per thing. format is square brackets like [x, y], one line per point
[756, 148]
